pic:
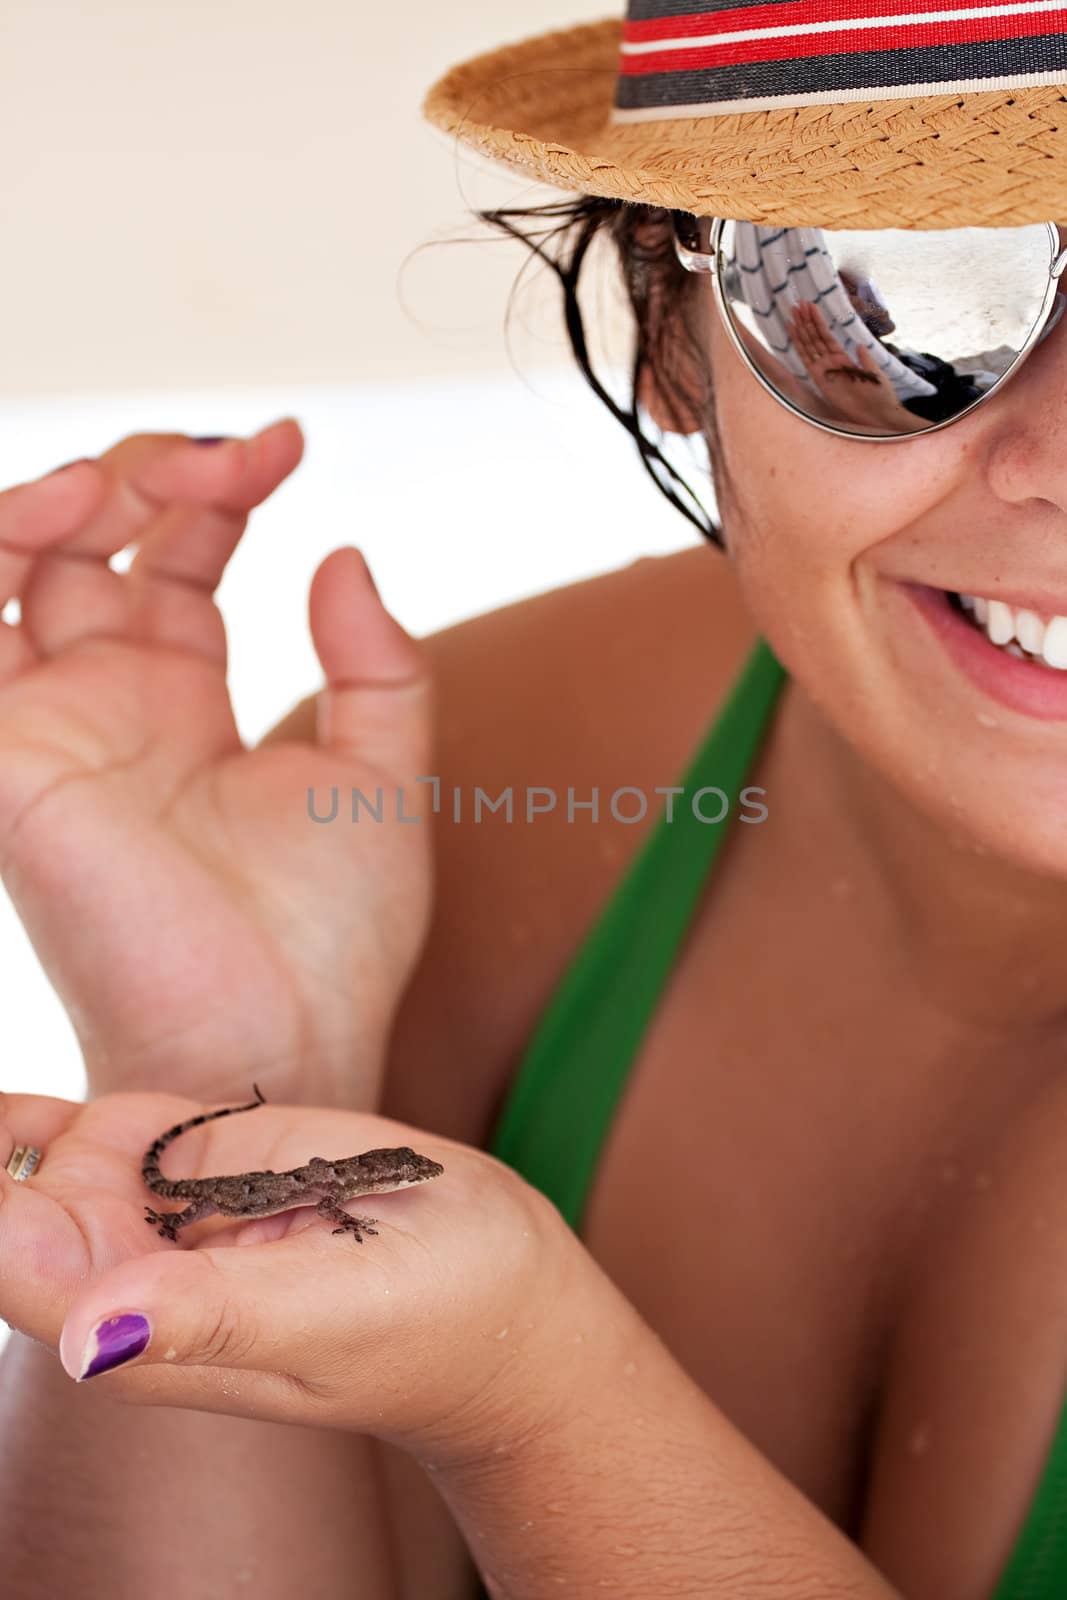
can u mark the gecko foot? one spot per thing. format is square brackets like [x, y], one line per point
[349, 1224]
[168, 1228]
[357, 1225]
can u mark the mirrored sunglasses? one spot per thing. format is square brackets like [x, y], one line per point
[879, 334]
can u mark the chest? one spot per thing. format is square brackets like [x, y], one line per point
[856, 1245]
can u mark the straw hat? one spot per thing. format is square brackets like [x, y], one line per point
[831, 113]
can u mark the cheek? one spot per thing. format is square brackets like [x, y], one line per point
[802, 511]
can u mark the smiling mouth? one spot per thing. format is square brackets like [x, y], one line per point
[1016, 632]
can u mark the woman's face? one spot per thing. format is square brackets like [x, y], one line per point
[847, 551]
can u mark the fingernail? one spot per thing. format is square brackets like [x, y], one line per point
[211, 438]
[67, 464]
[113, 1341]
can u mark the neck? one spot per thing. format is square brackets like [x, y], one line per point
[983, 939]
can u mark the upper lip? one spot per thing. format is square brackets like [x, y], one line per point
[1046, 603]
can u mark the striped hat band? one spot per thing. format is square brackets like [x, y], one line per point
[698, 58]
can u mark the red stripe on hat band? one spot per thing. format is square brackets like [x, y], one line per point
[891, 36]
[788, 14]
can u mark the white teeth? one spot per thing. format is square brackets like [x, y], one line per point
[1055, 648]
[1001, 624]
[1030, 631]
[1019, 630]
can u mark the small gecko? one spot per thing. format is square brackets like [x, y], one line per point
[262, 1194]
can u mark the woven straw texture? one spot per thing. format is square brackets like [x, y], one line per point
[940, 161]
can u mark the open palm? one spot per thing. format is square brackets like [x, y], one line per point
[857, 392]
[83, 1212]
[280, 1317]
[198, 925]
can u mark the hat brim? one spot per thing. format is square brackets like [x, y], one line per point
[543, 106]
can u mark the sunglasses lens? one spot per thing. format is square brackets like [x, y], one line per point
[890, 331]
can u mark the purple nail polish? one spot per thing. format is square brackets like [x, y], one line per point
[113, 1341]
[210, 438]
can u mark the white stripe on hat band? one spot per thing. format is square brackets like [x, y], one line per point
[847, 25]
[831, 97]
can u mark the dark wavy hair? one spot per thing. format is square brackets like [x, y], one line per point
[660, 292]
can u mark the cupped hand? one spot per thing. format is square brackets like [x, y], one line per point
[190, 913]
[857, 392]
[422, 1333]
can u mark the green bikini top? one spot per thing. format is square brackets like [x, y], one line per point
[568, 1085]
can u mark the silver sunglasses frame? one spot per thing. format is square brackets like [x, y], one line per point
[710, 261]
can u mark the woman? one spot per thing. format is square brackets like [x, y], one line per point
[810, 1339]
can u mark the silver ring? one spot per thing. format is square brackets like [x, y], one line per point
[25, 1159]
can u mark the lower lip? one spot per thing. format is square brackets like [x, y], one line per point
[1026, 686]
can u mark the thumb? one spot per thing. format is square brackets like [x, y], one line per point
[169, 1315]
[377, 703]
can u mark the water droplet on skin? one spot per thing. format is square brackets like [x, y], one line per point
[170, 1355]
[919, 1441]
[502, 1334]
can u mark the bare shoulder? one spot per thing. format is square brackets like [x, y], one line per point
[596, 686]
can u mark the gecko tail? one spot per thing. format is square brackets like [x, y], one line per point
[150, 1165]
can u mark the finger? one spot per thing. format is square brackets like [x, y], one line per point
[183, 548]
[34, 1119]
[68, 597]
[36, 516]
[805, 343]
[192, 543]
[306, 1305]
[377, 703]
[15, 652]
[42, 1249]
[148, 472]
[822, 339]
[173, 577]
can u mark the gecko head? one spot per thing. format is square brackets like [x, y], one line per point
[398, 1168]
